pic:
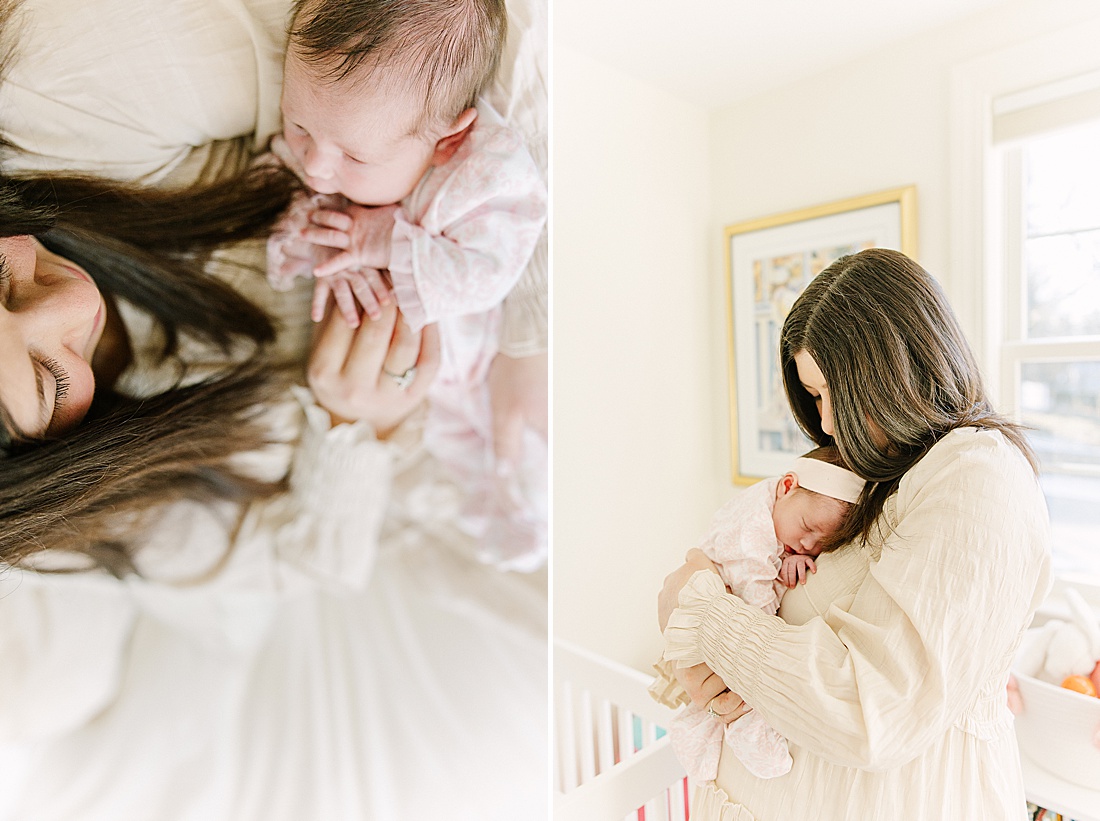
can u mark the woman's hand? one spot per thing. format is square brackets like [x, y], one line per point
[708, 691]
[669, 597]
[378, 372]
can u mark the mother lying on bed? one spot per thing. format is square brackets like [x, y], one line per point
[887, 671]
[296, 630]
[277, 616]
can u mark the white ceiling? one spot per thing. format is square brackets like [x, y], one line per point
[714, 52]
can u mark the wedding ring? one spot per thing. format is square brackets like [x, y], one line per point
[710, 710]
[403, 380]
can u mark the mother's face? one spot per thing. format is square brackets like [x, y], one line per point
[52, 316]
[809, 374]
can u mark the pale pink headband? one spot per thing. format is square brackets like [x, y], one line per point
[828, 480]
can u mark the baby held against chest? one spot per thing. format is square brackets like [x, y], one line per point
[764, 542]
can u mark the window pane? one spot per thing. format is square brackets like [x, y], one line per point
[1062, 246]
[1061, 402]
[1063, 285]
[1062, 173]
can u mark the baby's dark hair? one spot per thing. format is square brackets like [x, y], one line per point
[829, 454]
[446, 50]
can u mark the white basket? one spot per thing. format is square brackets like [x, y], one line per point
[611, 759]
[1056, 729]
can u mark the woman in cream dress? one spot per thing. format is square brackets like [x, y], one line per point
[887, 671]
[347, 658]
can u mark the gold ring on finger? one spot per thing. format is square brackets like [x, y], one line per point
[403, 380]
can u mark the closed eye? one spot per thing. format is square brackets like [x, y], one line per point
[5, 276]
[61, 384]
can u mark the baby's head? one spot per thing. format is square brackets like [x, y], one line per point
[812, 500]
[377, 91]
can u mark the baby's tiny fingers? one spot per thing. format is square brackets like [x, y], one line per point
[328, 218]
[363, 292]
[378, 285]
[329, 237]
[340, 262]
[320, 300]
[345, 301]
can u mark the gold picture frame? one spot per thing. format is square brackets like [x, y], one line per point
[769, 261]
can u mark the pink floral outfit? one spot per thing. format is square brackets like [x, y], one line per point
[742, 543]
[460, 243]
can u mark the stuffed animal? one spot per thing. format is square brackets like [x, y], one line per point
[1064, 653]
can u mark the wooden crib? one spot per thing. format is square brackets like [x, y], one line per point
[612, 760]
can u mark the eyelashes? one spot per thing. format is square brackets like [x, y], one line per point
[61, 379]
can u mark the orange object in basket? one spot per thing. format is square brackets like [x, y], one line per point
[1094, 676]
[1079, 684]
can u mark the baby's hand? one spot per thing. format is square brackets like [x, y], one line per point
[361, 234]
[796, 568]
[289, 253]
[364, 288]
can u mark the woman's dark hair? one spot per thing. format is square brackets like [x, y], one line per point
[85, 491]
[897, 365]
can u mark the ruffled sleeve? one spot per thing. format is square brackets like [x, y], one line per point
[929, 633]
[700, 628]
[465, 236]
[519, 93]
[665, 689]
[327, 525]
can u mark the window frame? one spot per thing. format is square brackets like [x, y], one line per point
[1012, 348]
[986, 207]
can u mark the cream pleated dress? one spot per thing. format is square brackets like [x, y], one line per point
[887, 671]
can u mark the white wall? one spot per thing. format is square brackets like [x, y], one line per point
[641, 454]
[876, 123]
[635, 464]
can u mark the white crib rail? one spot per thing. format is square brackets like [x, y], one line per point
[599, 775]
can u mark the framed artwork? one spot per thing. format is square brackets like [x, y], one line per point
[769, 261]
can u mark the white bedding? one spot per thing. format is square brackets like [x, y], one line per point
[423, 695]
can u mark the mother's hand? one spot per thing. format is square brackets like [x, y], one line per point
[669, 597]
[702, 684]
[707, 690]
[365, 373]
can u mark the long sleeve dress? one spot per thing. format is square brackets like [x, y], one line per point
[886, 673]
[742, 543]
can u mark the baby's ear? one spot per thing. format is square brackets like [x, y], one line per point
[787, 483]
[453, 137]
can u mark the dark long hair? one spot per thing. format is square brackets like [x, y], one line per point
[895, 359]
[86, 491]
